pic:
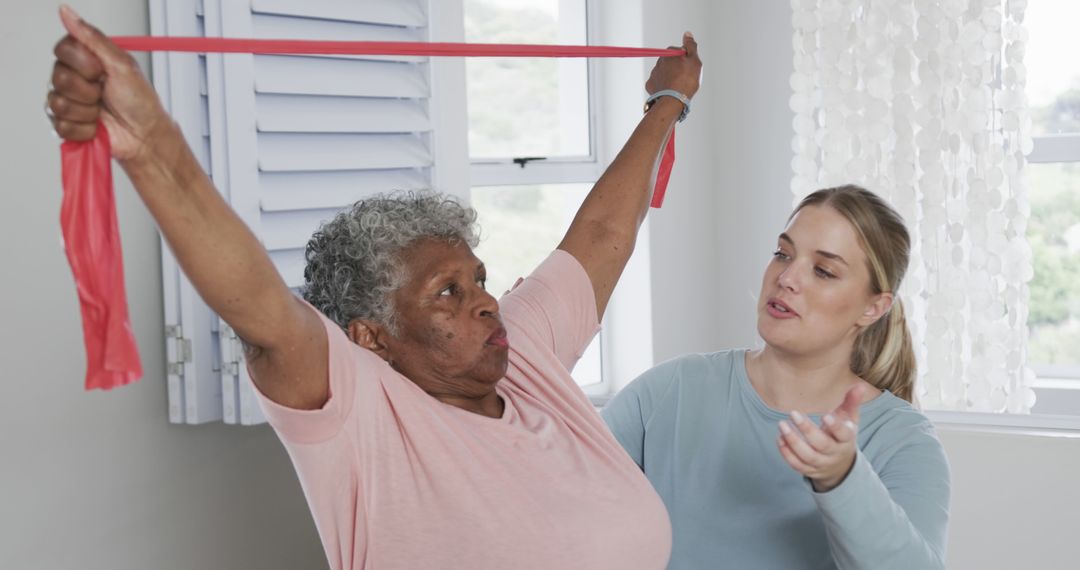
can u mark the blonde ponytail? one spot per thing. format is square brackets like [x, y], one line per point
[883, 355]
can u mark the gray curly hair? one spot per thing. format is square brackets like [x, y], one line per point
[353, 261]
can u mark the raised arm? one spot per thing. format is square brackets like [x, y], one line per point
[95, 80]
[604, 231]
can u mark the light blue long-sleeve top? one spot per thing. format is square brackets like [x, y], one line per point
[707, 441]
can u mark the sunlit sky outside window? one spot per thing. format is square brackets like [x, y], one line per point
[550, 7]
[536, 107]
[1053, 50]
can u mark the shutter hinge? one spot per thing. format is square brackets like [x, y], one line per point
[233, 351]
[175, 365]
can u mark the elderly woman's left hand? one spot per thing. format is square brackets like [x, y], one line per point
[681, 73]
[826, 454]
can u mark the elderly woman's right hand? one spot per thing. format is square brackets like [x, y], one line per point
[681, 73]
[94, 79]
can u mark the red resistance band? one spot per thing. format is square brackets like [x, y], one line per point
[92, 245]
[88, 214]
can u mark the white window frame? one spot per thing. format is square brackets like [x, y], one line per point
[1057, 381]
[558, 169]
[586, 169]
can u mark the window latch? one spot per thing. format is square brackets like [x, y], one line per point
[523, 160]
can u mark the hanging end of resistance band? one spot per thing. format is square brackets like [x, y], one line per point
[91, 239]
[663, 173]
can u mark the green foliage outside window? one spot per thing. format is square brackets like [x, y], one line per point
[1054, 234]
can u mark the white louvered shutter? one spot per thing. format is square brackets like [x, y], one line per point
[294, 139]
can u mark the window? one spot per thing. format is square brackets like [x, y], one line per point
[532, 141]
[1053, 90]
[527, 107]
[520, 225]
[530, 119]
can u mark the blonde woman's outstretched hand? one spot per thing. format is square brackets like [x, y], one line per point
[826, 454]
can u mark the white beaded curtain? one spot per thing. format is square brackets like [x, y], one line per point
[922, 101]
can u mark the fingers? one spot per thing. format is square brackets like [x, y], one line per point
[792, 459]
[79, 59]
[61, 107]
[71, 85]
[93, 39]
[689, 44]
[841, 430]
[73, 105]
[799, 446]
[851, 403]
[813, 435]
[74, 102]
[74, 131]
[825, 454]
[811, 443]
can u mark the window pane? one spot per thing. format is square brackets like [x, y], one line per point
[527, 106]
[1053, 78]
[1054, 232]
[520, 226]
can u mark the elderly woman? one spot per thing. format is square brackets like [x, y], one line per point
[806, 453]
[431, 426]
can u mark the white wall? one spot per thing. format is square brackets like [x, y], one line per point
[100, 480]
[729, 192]
[1015, 499]
[682, 235]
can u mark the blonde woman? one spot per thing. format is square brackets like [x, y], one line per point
[806, 453]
